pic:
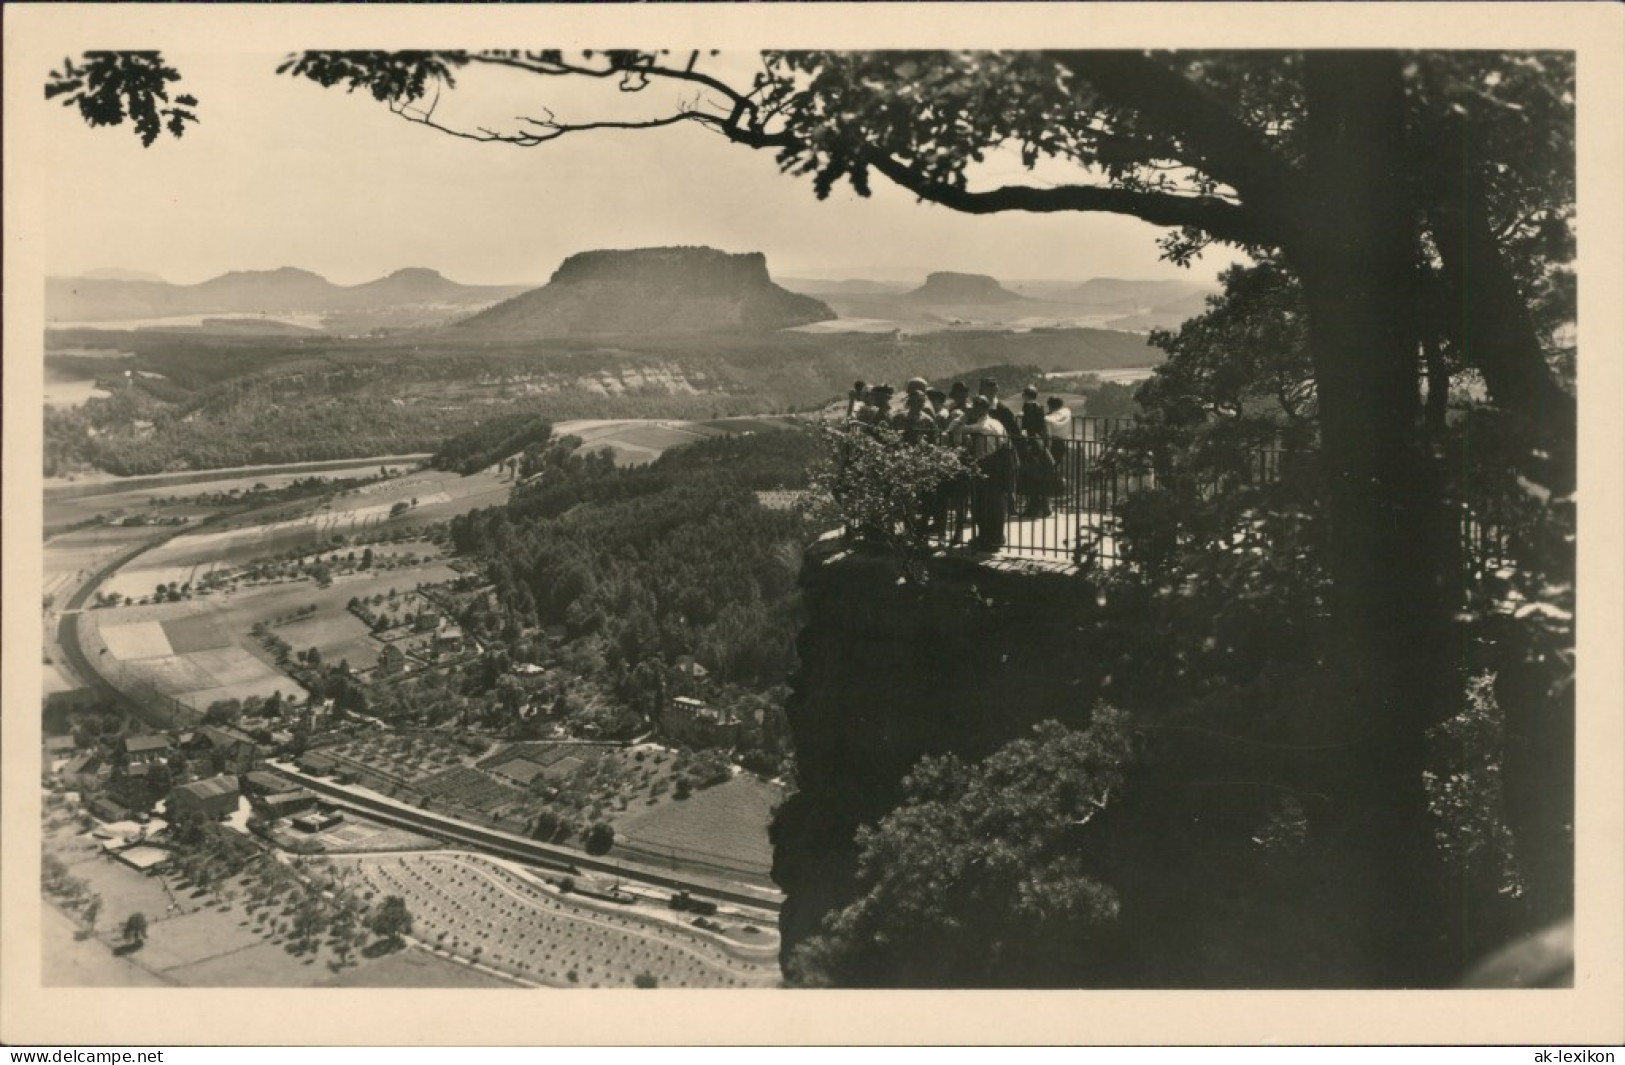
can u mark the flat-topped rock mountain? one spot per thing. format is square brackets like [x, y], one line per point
[945, 286]
[652, 290]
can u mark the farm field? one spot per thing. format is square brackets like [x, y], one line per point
[339, 635]
[137, 646]
[481, 910]
[84, 550]
[723, 826]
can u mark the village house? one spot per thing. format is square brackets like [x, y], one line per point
[318, 820]
[262, 783]
[391, 660]
[284, 803]
[690, 721]
[213, 749]
[448, 641]
[145, 750]
[214, 798]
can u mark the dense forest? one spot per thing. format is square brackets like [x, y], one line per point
[644, 565]
[491, 441]
[199, 400]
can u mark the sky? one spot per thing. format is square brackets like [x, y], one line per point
[281, 172]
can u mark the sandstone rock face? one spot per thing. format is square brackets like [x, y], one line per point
[652, 290]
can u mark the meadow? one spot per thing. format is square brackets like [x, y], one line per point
[724, 827]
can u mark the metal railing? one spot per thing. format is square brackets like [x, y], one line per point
[1072, 515]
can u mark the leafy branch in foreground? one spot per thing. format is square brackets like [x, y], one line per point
[982, 876]
[109, 87]
[881, 489]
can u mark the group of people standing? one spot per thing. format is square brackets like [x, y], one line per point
[1014, 456]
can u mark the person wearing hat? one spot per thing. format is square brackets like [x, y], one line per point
[1037, 464]
[877, 412]
[915, 420]
[919, 385]
[856, 399]
[987, 446]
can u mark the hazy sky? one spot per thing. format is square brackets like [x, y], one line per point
[280, 172]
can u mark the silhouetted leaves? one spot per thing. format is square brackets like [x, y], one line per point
[110, 87]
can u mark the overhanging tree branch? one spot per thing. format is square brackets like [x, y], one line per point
[1218, 143]
[1224, 220]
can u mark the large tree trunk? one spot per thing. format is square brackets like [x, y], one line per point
[1393, 548]
[1491, 324]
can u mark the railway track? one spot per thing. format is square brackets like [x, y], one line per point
[503, 845]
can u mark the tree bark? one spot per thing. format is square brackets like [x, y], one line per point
[1496, 334]
[1353, 242]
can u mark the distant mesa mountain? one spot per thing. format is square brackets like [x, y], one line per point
[948, 287]
[652, 290]
[287, 290]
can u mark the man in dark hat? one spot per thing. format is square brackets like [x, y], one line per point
[1037, 463]
[987, 446]
[877, 412]
[856, 398]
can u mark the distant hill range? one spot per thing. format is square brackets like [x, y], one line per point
[286, 291]
[976, 301]
[651, 290]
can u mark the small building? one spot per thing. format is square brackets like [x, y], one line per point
[317, 763]
[261, 783]
[107, 811]
[318, 820]
[391, 660]
[449, 640]
[214, 798]
[143, 858]
[426, 621]
[691, 721]
[285, 804]
[214, 749]
[146, 750]
[61, 746]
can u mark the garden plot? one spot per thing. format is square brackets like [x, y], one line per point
[724, 826]
[140, 639]
[200, 632]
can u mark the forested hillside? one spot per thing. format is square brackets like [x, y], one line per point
[200, 401]
[634, 568]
